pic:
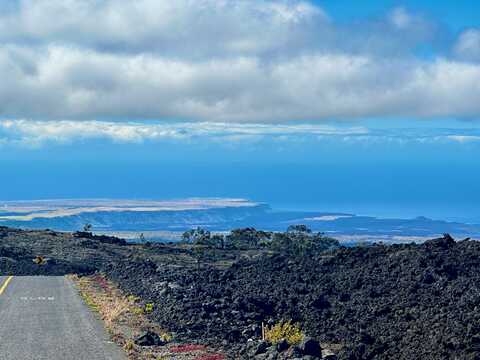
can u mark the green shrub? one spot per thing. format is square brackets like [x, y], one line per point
[284, 330]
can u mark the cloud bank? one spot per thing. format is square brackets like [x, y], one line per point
[227, 61]
[34, 134]
[37, 133]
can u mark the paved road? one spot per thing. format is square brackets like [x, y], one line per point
[43, 318]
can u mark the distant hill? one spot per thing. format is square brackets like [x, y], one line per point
[105, 214]
[215, 214]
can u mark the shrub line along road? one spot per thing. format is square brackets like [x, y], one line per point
[44, 318]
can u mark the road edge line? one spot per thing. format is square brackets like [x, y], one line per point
[5, 284]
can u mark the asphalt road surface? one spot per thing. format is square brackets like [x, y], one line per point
[44, 318]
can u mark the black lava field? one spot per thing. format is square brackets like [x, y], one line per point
[371, 302]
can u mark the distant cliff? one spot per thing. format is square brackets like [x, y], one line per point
[125, 218]
[216, 215]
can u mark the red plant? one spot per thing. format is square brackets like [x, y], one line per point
[187, 348]
[102, 282]
[210, 357]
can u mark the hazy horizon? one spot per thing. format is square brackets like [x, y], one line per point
[374, 210]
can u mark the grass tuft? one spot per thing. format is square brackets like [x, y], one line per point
[284, 330]
[149, 308]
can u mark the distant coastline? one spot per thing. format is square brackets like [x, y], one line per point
[165, 220]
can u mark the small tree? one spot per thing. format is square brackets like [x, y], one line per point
[247, 238]
[302, 229]
[196, 236]
[217, 241]
[300, 241]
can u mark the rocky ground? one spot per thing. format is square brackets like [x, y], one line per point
[373, 302]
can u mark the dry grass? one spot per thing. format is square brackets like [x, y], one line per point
[125, 317]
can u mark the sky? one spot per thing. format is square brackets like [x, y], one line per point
[369, 107]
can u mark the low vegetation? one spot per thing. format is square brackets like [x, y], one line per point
[125, 319]
[284, 330]
[298, 240]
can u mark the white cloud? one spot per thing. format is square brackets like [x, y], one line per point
[199, 29]
[37, 133]
[401, 18]
[221, 61]
[464, 138]
[62, 82]
[467, 46]
[34, 134]
[187, 28]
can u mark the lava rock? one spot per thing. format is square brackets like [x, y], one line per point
[149, 338]
[328, 355]
[257, 348]
[310, 346]
[415, 301]
[282, 345]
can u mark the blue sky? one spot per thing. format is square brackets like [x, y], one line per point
[369, 107]
[458, 15]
